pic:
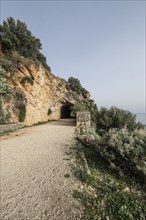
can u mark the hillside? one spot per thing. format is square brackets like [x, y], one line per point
[33, 94]
[29, 91]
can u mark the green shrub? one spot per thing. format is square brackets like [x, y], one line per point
[86, 105]
[22, 114]
[115, 118]
[4, 87]
[74, 84]
[6, 44]
[86, 136]
[85, 93]
[42, 59]
[6, 63]
[49, 111]
[15, 36]
[123, 150]
[2, 116]
[72, 94]
[27, 79]
[78, 107]
[119, 153]
[20, 96]
[8, 116]
[20, 104]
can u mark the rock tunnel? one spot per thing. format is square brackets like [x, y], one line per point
[65, 111]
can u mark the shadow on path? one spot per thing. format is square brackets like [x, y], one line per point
[65, 122]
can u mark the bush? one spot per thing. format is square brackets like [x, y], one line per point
[124, 151]
[27, 79]
[20, 99]
[87, 137]
[74, 84]
[6, 44]
[22, 114]
[42, 59]
[21, 104]
[49, 111]
[20, 96]
[8, 116]
[115, 118]
[77, 107]
[2, 116]
[6, 63]
[120, 152]
[73, 94]
[4, 87]
[15, 36]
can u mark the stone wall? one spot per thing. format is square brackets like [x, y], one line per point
[11, 127]
[83, 119]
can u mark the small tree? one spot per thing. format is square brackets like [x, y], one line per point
[74, 84]
[6, 44]
[15, 36]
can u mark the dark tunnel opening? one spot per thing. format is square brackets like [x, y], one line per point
[65, 111]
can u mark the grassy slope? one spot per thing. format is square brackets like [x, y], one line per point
[104, 195]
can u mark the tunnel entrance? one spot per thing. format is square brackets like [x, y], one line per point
[65, 111]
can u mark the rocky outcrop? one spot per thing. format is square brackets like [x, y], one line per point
[36, 95]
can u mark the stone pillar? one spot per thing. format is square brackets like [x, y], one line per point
[83, 119]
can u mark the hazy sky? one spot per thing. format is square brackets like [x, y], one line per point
[102, 43]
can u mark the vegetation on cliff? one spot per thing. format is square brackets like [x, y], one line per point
[27, 79]
[4, 87]
[20, 57]
[15, 36]
[81, 97]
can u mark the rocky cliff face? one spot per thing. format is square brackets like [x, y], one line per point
[36, 95]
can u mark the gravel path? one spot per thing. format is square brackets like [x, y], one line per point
[33, 165]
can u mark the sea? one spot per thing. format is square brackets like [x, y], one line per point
[141, 117]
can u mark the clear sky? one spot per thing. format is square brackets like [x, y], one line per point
[102, 43]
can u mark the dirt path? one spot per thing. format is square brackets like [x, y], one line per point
[33, 165]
